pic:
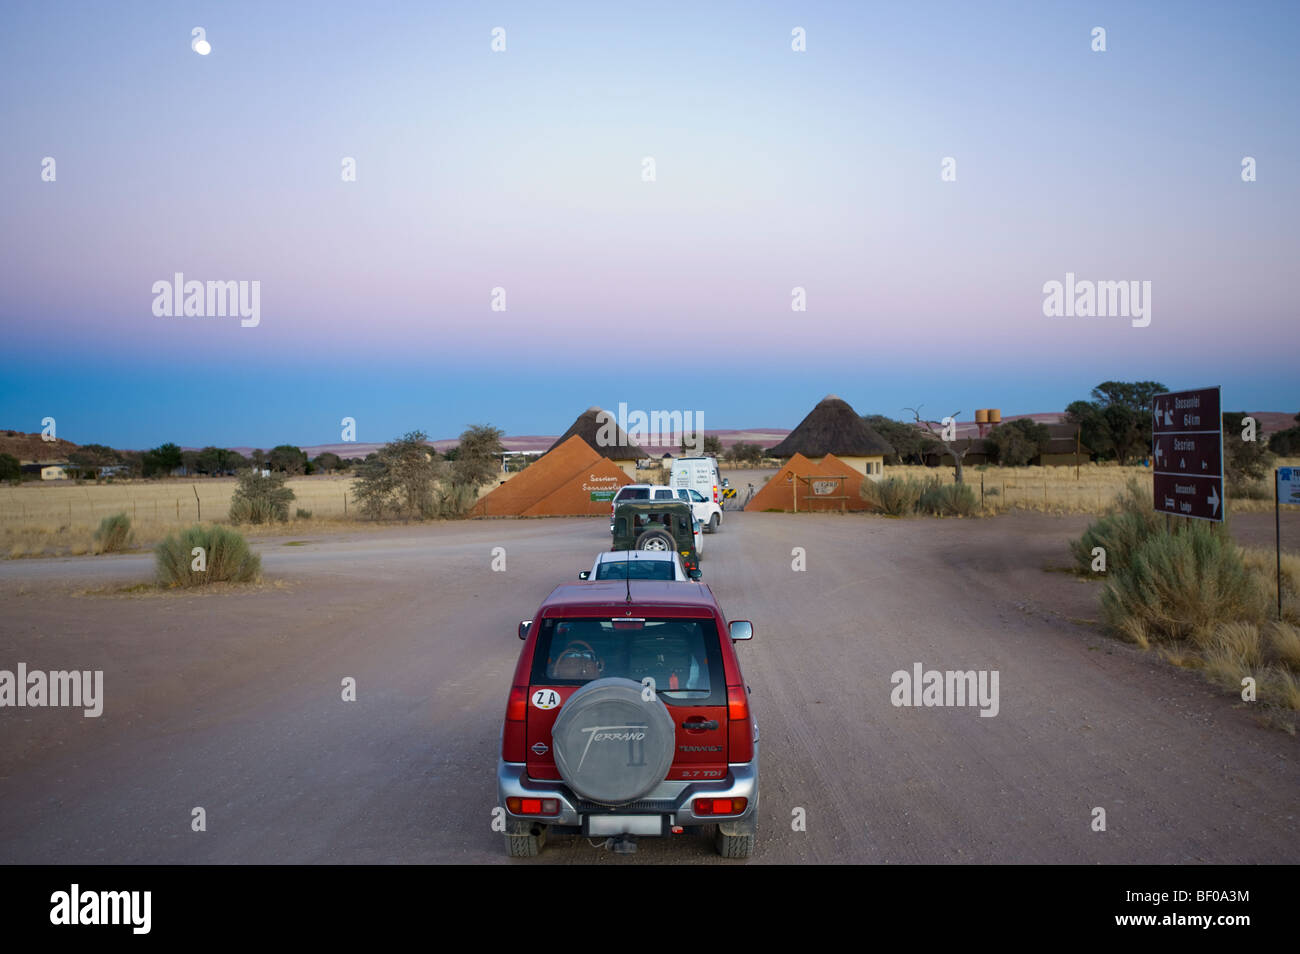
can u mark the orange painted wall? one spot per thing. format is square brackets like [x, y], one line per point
[778, 493]
[553, 486]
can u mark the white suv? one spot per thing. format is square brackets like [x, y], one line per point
[708, 513]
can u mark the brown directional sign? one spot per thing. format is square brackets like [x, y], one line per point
[1200, 497]
[1187, 412]
[1187, 453]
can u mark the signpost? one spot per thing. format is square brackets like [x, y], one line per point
[1286, 489]
[1187, 453]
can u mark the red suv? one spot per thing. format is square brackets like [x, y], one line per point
[628, 715]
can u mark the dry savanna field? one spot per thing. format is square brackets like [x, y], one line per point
[58, 518]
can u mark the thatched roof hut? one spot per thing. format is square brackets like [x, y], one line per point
[600, 430]
[833, 427]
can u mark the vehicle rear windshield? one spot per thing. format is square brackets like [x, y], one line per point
[634, 493]
[681, 655]
[643, 519]
[636, 570]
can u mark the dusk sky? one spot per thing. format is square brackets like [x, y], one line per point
[523, 170]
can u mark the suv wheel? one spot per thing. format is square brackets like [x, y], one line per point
[524, 839]
[714, 522]
[657, 540]
[738, 844]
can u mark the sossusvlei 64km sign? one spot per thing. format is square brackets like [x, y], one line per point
[1187, 453]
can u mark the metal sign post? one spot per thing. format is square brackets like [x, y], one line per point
[1286, 489]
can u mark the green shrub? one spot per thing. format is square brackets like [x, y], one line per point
[947, 500]
[895, 496]
[1120, 533]
[455, 499]
[113, 534]
[1182, 585]
[259, 499]
[303, 514]
[226, 552]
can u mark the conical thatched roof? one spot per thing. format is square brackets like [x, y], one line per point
[590, 424]
[832, 427]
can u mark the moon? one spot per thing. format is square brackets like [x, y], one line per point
[203, 47]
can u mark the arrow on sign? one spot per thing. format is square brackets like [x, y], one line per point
[1158, 451]
[1213, 500]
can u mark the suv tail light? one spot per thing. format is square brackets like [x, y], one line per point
[536, 806]
[715, 493]
[740, 737]
[514, 737]
[719, 806]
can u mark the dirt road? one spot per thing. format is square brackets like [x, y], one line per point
[231, 701]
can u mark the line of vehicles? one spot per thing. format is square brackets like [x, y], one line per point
[628, 715]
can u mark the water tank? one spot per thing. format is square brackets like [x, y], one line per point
[981, 416]
[995, 415]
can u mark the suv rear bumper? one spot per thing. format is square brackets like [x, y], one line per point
[671, 799]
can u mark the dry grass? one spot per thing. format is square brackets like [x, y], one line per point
[1225, 636]
[1262, 563]
[1057, 490]
[53, 518]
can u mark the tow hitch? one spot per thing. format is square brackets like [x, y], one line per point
[623, 844]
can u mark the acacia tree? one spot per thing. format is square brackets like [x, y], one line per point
[743, 452]
[92, 458]
[935, 430]
[287, 459]
[401, 476]
[1118, 418]
[910, 444]
[475, 463]
[1287, 442]
[1243, 461]
[1017, 442]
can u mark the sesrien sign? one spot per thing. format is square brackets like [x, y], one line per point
[1187, 453]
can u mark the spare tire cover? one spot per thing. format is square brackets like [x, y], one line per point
[610, 745]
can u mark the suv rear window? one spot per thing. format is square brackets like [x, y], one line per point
[685, 525]
[632, 493]
[636, 570]
[681, 655]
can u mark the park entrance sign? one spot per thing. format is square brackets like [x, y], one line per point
[1187, 453]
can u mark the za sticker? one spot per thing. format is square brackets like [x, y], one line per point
[546, 698]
